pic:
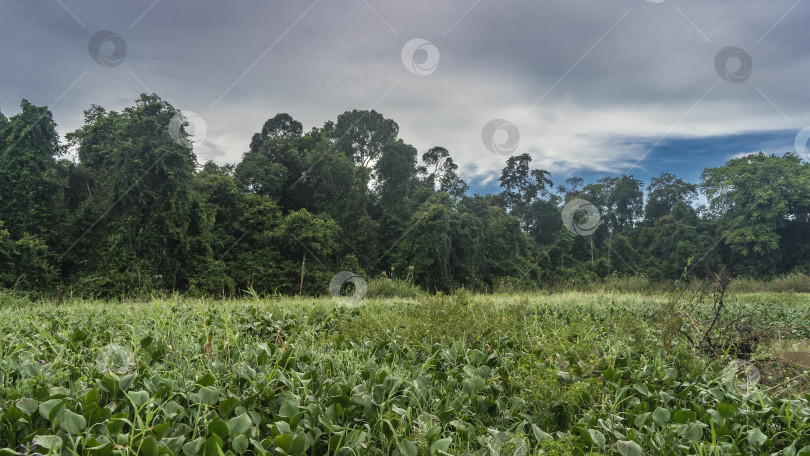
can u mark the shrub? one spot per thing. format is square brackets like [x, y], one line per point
[383, 287]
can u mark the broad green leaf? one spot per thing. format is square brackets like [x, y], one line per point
[597, 437]
[91, 397]
[173, 444]
[213, 446]
[289, 409]
[239, 424]
[693, 432]
[628, 448]
[476, 356]
[32, 369]
[96, 414]
[98, 449]
[146, 341]
[240, 444]
[718, 394]
[138, 398]
[756, 438]
[284, 441]
[661, 416]
[539, 434]
[247, 372]
[72, 423]
[641, 419]
[207, 380]
[441, 445]
[51, 442]
[27, 406]
[193, 448]
[726, 410]
[209, 396]
[126, 381]
[593, 437]
[226, 406]
[684, 416]
[174, 410]
[406, 448]
[218, 427]
[149, 447]
[642, 388]
[298, 445]
[58, 392]
[117, 422]
[47, 407]
[12, 415]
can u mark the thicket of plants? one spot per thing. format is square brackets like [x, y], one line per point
[446, 374]
[137, 214]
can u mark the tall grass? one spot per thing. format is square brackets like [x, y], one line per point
[796, 282]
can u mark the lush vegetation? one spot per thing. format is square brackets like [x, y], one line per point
[111, 343]
[137, 214]
[573, 373]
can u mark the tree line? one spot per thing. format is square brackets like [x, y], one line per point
[136, 212]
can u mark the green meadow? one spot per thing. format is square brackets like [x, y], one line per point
[510, 374]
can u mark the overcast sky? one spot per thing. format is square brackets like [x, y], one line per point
[592, 87]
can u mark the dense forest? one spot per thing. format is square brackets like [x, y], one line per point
[136, 212]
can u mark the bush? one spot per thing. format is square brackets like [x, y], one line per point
[383, 287]
[24, 263]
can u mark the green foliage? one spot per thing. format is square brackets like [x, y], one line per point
[458, 374]
[136, 215]
[143, 225]
[762, 201]
[362, 135]
[30, 199]
[25, 263]
[385, 287]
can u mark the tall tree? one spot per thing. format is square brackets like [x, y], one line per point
[274, 163]
[145, 224]
[757, 199]
[521, 185]
[30, 194]
[663, 192]
[427, 248]
[395, 170]
[440, 169]
[626, 203]
[362, 135]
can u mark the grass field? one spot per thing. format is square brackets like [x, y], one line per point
[568, 373]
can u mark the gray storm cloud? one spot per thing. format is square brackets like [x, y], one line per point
[570, 75]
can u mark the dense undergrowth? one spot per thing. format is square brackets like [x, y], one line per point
[573, 373]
